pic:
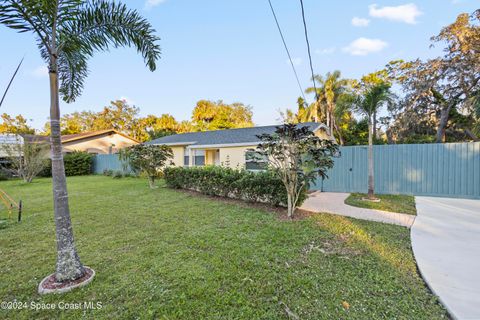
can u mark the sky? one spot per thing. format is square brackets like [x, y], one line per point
[231, 50]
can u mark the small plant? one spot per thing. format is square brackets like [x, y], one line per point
[117, 174]
[108, 172]
[26, 159]
[297, 157]
[149, 160]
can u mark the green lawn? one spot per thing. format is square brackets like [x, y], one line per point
[171, 255]
[389, 202]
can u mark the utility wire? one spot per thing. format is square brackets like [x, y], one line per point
[309, 53]
[11, 80]
[286, 49]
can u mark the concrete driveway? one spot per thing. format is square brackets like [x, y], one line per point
[446, 245]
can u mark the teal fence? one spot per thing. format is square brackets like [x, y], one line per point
[102, 162]
[450, 170]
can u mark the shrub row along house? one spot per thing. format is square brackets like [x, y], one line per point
[229, 148]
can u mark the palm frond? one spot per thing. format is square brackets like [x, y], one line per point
[12, 16]
[101, 24]
[72, 72]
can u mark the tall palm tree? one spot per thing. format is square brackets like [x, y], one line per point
[68, 32]
[368, 103]
[330, 90]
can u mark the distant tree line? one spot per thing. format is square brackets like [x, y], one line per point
[436, 100]
[119, 115]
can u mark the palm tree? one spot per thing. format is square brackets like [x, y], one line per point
[368, 103]
[331, 88]
[68, 32]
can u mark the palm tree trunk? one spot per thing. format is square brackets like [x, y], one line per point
[371, 194]
[68, 266]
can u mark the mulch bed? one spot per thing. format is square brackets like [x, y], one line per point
[280, 212]
[51, 283]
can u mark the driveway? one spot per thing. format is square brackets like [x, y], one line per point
[446, 245]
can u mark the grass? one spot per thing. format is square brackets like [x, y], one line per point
[389, 202]
[166, 254]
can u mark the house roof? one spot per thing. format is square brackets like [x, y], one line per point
[225, 137]
[75, 137]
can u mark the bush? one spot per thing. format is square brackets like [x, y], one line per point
[263, 186]
[4, 174]
[47, 169]
[108, 172]
[78, 163]
[117, 174]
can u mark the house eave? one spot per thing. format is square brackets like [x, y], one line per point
[223, 145]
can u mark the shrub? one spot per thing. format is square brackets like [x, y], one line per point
[47, 169]
[4, 175]
[26, 159]
[263, 186]
[147, 159]
[117, 174]
[78, 163]
[108, 172]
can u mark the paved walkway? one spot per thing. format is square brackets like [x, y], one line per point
[333, 202]
[446, 245]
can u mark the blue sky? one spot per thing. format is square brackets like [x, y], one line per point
[231, 50]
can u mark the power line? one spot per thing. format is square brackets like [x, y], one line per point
[286, 49]
[11, 80]
[309, 53]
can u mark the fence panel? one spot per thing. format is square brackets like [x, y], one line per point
[102, 162]
[450, 170]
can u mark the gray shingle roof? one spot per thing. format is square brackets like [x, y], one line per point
[230, 136]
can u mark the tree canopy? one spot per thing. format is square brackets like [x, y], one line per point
[209, 115]
[16, 125]
[126, 118]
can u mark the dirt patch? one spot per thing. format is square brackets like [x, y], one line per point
[279, 212]
[335, 246]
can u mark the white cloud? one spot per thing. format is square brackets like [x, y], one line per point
[40, 72]
[360, 22]
[326, 50]
[153, 3]
[364, 46]
[127, 100]
[295, 61]
[407, 13]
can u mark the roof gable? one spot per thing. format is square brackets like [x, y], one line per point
[75, 137]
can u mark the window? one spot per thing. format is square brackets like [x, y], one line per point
[186, 158]
[199, 158]
[255, 161]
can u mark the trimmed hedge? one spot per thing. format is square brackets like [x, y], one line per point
[77, 163]
[263, 186]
